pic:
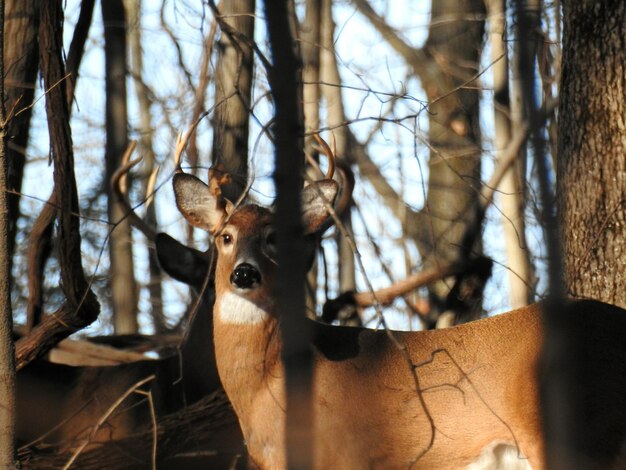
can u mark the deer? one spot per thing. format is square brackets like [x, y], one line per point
[462, 397]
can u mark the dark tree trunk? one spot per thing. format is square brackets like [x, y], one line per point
[81, 306]
[40, 239]
[297, 356]
[21, 59]
[590, 190]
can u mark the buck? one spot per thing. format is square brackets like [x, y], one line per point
[467, 398]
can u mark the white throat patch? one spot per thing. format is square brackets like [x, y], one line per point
[238, 310]
[500, 456]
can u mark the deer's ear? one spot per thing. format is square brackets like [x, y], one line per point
[183, 263]
[315, 198]
[201, 207]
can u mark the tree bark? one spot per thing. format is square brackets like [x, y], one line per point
[80, 307]
[592, 149]
[21, 58]
[7, 348]
[454, 50]
[591, 184]
[40, 239]
[310, 46]
[233, 87]
[122, 277]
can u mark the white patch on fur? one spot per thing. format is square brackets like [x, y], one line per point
[237, 310]
[500, 456]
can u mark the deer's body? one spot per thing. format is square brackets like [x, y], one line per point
[469, 398]
[367, 411]
[479, 383]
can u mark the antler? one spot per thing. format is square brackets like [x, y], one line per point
[120, 190]
[330, 155]
[181, 143]
[346, 176]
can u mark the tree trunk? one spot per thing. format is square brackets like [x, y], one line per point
[7, 349]
[296, 353]
[336, 117]
[40, 239]
[592, 149]
[233, 85]
[590, 188]
[80, 307]
[147, 152]
[453, 132]
[310, 47]
[122, 277]
[512, 194]
[21, 59]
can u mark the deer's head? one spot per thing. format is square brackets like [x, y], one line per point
[244, 235]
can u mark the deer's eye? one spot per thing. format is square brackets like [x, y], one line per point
[270, 239]
[227, 238]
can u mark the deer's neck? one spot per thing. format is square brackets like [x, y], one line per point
[246, 335]
[247, 343]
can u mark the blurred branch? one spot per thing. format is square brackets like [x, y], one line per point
[296, 331]
[179, 52]
[417, 58]
[387, 295]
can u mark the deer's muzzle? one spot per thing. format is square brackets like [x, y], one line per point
[245, 276]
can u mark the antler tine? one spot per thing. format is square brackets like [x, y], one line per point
[151, 185]
[181, 143]
[347, 187]
[120, 191]
[180, 148]
[330, 155]
[119, 177]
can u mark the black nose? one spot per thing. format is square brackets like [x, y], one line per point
[245, 276]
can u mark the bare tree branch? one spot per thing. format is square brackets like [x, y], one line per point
[417, 58]
[81, 306]
[77, 46]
